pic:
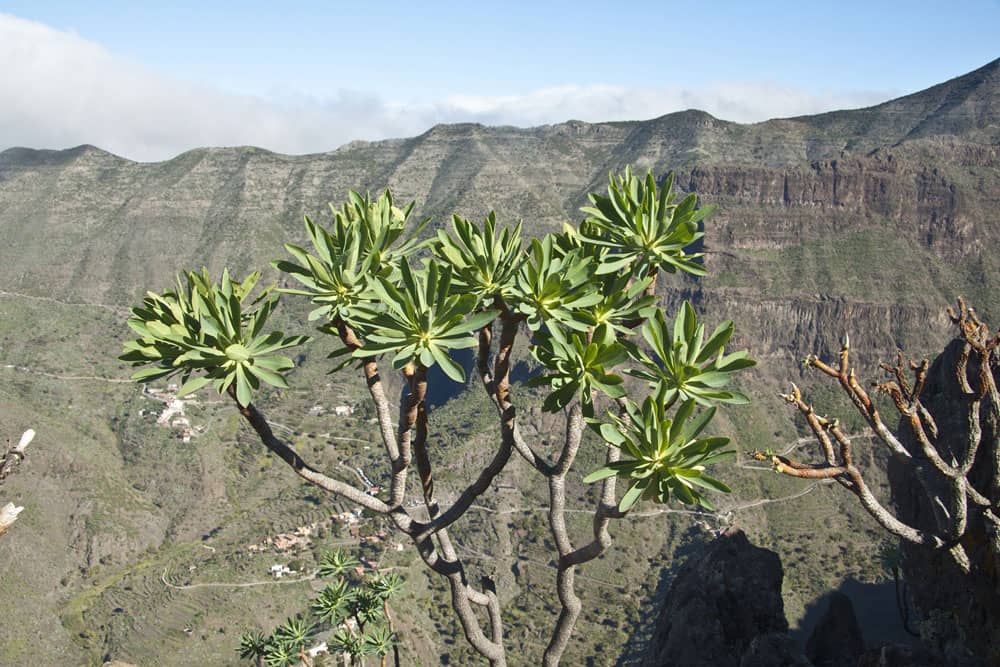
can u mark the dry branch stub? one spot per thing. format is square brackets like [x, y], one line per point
[13, 456]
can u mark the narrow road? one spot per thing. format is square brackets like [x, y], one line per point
[74, 378]
[265, 582]
[75, 304]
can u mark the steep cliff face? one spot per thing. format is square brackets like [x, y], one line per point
[867, 221]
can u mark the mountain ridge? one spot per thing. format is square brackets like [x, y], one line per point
[952, 93]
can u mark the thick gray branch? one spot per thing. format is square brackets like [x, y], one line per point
[565, 576]
[304, 470]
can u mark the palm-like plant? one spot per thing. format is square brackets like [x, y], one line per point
[553, 288]
[386, 585]
[422, 321]
[337, 563]
[364, 241]
[337, 277]
[295, 631]
[366, 607]
[292, 636]
[379, 641]
[347, 642]
[381, 225]
[581, 293]
[484, 262]
[253, 646]
[210, 328]
[334, 602]
[575, 366]
[643, 228]
[686, 366]
[281, 655]
[667, 454]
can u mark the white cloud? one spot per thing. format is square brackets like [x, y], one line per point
[60, 90]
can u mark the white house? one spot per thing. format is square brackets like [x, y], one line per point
[278, 570]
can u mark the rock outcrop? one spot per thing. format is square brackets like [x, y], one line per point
[837, 640]
[724, 609]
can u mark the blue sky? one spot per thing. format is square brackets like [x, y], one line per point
[151, 81]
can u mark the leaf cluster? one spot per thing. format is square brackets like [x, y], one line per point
[422, 320]
[684, 365]
[366, 240]
[644, 228]
[210, 327]
[667, 454]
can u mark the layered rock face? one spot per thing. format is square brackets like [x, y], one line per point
[884, 208]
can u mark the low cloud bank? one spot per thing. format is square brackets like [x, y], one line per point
[60, 90]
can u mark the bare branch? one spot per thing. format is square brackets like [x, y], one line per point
[885, 518]
[606, 510]
[460, 602]
[497, 387]
[945, 483]
[15, 454]
[569, 601]
[795, 398]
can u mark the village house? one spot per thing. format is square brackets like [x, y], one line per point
[278, 570]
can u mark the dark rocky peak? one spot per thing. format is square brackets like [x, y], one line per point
[837, 640]
[724, 609]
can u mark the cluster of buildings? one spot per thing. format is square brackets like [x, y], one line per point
[173, 415]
